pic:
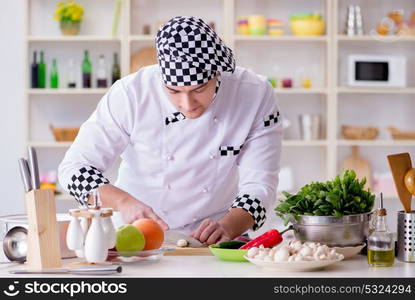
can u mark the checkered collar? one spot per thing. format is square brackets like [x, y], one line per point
[178, 116]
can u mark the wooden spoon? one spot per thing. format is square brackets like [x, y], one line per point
[401, 166]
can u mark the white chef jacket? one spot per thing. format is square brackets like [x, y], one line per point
[190, 169]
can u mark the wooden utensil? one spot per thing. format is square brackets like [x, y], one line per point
[143, 57]
[404, 177]
[359, 165]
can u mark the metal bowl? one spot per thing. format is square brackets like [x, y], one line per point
[15, 244]
[346, 231]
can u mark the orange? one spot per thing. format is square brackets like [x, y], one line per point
[153, 233]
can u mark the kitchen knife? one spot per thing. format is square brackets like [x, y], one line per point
[107, 270]
[172, 237]
[25, 173]
[34, 168]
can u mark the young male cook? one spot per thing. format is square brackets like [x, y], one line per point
[200, 140]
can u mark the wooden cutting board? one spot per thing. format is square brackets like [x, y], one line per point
[359, 165]
[186, 251]
[143, 57]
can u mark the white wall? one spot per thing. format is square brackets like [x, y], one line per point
[12, 99]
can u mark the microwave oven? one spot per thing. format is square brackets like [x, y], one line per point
[376, 71]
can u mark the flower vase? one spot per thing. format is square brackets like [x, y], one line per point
[70, 28]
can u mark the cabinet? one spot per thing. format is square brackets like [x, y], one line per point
[320, 57]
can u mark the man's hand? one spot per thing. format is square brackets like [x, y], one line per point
[131, 209]
[233, 224]
[211, 232]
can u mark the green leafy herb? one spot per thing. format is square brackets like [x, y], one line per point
[344, 195]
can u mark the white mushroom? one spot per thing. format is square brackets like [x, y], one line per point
[292, 258]
[281, 255]
[305, 251]
[182, 243]
[298, 257]
[252, 252]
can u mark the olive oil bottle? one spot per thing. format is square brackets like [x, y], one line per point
[380, 243]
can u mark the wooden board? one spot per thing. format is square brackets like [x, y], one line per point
[399, 165]
[187, 251]
[143, 57]
[359, 165]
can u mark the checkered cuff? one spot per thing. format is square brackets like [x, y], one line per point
[271, 119]
[230, 150]
[84, 182]
[253, 207]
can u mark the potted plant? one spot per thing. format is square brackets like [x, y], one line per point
[69, 14]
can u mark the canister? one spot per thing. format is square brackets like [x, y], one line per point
[406, 236]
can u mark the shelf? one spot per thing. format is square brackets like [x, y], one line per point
[375, 90]
[142, 38]
[386, 143]
[375, 38]
[50, 144]
[75, 38]
[301, 143]
[92, 91]
[300, 91]
[287, 38]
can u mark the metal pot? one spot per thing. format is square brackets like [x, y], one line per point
[346, 231]
[16, 243]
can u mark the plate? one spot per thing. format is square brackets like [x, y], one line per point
[229, 254]
[133, 256]
[349, 252]
[298, 266]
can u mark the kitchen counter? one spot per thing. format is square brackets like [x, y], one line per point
[210, 266]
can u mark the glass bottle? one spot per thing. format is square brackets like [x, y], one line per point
[380, 242]
[34, 71]
[86, 71]
[41, 71]
[115, 69]
[54, 77]
[101, 73]
[71, 74]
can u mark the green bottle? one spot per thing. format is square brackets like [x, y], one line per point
[42, 72]
[54, 77]
[115, 69]
[86, 71]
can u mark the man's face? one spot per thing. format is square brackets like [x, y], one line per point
[193, 100]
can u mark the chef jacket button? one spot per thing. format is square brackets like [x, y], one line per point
[194, 219]
[205, 190]
[169, 157]
[212, 156]
[168, 187]
[215, 119]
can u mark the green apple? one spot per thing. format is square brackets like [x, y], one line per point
[129, 238]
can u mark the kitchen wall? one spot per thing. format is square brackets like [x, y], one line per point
[12, 121]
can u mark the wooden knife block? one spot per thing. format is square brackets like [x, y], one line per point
[43, 250]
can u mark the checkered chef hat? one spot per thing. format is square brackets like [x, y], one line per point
[190, 52]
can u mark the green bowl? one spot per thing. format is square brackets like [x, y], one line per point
[229, 254]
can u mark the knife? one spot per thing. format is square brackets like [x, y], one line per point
[80, 271]
[25, 173]
[172, 237]
[34, 168]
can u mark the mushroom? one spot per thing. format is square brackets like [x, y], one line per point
[182, 243]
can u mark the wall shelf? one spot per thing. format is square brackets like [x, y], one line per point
[75, 91]
[377, 143]
[49, 144]
[75, 38]
[281, 38]
[375, 38]
[380, 90]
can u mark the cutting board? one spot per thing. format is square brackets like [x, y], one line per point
[359, 165]
[143, 57]
[186, 251]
